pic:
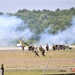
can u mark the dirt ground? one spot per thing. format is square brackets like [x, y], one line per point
[14, 58]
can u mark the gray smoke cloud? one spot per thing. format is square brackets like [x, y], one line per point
[8, 32]
[62, 37]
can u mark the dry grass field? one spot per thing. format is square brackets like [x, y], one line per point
[14, 58]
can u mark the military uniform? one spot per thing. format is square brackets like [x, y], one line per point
[40, 48]
[47, 47]
[23, 47]
[43, 52]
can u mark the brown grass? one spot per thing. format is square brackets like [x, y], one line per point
[27, 60]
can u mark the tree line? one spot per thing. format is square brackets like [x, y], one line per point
[39, 20]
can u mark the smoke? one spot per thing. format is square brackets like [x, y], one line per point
[62, 37]
[12, 28]
[9, 32]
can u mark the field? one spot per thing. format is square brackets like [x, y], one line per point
[17, 62]
[36, 72]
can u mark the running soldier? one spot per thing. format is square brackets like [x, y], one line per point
[36, 51]
[43, 52]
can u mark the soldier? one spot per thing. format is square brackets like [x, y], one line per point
[23, 47]
[36, 52]
[47, 47]
[29, 48]
[43, 52]
[53, 47]
[40, 48]
[32, 47]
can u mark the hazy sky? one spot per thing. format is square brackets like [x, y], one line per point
[12, 6]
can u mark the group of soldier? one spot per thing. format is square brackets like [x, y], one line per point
[59, 47]
[42, 50]
[35, 49]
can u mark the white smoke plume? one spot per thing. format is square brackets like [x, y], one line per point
[8, 32]
[62, 37]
